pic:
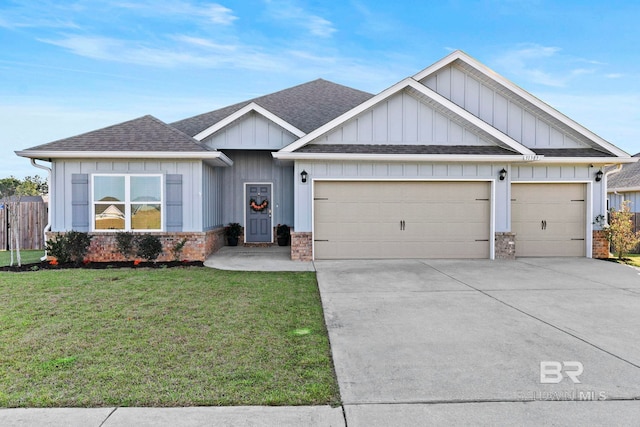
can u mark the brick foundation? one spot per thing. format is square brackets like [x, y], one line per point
[199, 245]
[600, 245]
[301, 246]
[505, 245]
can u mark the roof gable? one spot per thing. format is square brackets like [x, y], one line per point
[304, 107]
[513, 119]
[445, 108]
[514, 111]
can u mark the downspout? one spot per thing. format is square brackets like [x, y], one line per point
[48, 226]
[606, 181]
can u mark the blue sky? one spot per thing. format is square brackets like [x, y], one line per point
[75, 66]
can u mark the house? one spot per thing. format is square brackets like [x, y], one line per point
[624, 184]
[453, 162]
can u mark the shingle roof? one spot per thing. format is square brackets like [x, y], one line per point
[404, 149]
[145, 133]
[307, 106]
[628, 177]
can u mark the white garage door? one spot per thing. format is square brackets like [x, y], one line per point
[549, 219]
[378, 219]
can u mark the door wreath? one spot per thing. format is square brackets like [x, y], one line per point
[258, 207]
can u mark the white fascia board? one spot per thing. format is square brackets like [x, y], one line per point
[623, 190]
[489, 73]
[217, 156]
[243, 111]
[463, 158]
[327, 127]
[467, 116]
[604, 161]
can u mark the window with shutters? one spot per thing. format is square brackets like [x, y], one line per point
[127, 202]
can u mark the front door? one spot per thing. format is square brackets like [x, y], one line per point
[258, 227]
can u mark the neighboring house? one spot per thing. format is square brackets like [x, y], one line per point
[625, 185]
[453, 162]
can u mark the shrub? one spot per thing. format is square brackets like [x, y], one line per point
[620, 230]
[148, 247]
[71, 246]
[125, 242]
[177, 249]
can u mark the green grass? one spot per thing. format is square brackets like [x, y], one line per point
[162, 337]
[632, 259]
[27, 257]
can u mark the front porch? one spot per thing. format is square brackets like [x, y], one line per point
[256, 258]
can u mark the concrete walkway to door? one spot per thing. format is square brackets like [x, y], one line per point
[458, 342]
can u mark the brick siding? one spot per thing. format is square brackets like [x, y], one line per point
[198, 247]
[301, 246]
[505, 245]
[600, 246]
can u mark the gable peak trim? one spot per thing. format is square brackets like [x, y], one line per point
[250, 107]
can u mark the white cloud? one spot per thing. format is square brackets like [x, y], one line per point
[525, 63]
[297, 16]
[214, 12]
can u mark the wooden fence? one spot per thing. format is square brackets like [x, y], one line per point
[33, 218]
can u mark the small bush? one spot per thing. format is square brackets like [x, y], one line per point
[149, 247]
[177, 249]
[125, 242]
[71, 246]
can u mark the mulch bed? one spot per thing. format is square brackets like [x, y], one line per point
[45, 265]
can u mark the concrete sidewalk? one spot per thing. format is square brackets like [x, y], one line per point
[195, 416]
[252, 258]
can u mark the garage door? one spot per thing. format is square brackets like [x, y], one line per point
[549, 219]
[401, 220]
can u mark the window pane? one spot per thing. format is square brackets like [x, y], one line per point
[145, 217]
[145, 189]
[109, 217]
[108, 189]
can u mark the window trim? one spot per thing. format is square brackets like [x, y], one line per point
[127, 202]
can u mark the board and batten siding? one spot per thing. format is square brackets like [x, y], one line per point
[63, 171]
[212, 215]
[256, 167]
[402, 119]
[397, 171]
[506, 114]
[251, 132]
[615, 200]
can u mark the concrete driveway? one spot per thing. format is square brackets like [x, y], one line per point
[458, 341]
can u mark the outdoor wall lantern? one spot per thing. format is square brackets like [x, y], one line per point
[599, 176]
[503, 174]
[303, 176]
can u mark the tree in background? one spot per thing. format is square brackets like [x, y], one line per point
[620, 230]
[29, 186]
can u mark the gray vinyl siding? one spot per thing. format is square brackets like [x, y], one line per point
[251, 132]
[402, 119]
[615, 200]
[501, 110]
[255, 167]
[63, 171]
[212, 215]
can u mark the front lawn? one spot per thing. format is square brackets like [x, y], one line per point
[162, 337]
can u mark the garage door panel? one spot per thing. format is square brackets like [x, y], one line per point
[440, 220]
[549, 219]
